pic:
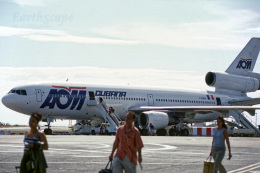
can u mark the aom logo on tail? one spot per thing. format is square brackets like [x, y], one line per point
[64, 97]
[244, 63]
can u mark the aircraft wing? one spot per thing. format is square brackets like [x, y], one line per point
[245, 102]
[194, 109]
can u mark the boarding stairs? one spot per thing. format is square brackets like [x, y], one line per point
[243, 120]
[111, 117]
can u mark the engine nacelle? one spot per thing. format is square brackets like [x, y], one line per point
[232, 82]
[158, 119]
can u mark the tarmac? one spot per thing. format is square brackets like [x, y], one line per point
[167, 154]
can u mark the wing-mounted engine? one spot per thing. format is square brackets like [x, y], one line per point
[232, 82]
[158, 119]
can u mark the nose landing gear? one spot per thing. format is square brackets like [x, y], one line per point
[48, 131]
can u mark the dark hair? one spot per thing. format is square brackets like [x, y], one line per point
[223, 122]
[131, 113]
[37, 116]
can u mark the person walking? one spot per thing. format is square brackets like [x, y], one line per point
[218, 145]
[35, 142]
[128, 143]
[151, 129]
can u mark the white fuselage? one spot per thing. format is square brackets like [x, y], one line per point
[70, 101]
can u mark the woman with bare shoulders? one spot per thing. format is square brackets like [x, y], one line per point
[34, 143]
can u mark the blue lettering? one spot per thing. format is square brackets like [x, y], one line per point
[244, 64]
[49, 101]
[110, 93]
[76, 98]
[57, 99]
[99, 93]
[107, 93]
[80, 99]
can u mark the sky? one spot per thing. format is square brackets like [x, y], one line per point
[158, 43]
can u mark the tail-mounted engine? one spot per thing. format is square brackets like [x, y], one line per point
[158, 119]
[232, 82]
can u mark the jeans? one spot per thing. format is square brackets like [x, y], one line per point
[218, 154]
[118, 165]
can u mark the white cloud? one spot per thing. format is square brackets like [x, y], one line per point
[59, 36]
[202, 35]
[29, 3]
[138, 77]
[219, 32]
[250, 30]
[10, 31]
[227, 30]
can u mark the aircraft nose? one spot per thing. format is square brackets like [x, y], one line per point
[6, 100]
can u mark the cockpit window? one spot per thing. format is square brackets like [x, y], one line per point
[12, 91]
[20, 92]
[23, 92]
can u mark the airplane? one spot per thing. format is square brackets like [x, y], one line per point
[161, 107]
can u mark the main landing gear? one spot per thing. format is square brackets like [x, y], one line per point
[161, 132]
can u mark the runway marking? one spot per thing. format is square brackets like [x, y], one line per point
[15, 146]
[165, 147]
[86, 150]
[94, 163]
[247, 168]
[18, 151]
[88, 156]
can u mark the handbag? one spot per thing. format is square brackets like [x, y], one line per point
[30, 162]
[208, 165]
[29, 166]
[107, 170]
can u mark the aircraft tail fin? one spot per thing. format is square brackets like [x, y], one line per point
[246, 59]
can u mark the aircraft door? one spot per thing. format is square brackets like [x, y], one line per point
[38, 95]
[91, 100]
[91, 95]
[150, 99]
[218, 101]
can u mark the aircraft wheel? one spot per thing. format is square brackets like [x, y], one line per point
[106, 133]
[184, 132]
[47, 131]
[158, 132]
[93, 132]
[164, 132]
[161, 132]
[144, 132]
[172, 132]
